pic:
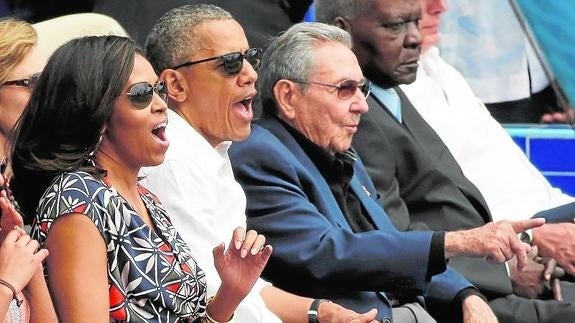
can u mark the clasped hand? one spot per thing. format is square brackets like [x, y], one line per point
[19, 254]
[540, 276]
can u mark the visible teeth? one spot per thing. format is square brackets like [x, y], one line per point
[161, 125]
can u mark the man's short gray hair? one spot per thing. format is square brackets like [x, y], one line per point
[290, 56]
[327, 10]
[173, 36]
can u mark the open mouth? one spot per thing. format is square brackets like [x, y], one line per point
[159, 131]
[247, 103]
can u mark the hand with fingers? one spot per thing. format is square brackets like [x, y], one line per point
[10, 217]
[19, 258]
[557, 241]
[239, 266]
[497, 241]
[530, 283]
[552, 276]
[540, 276]
[242, 263]
[334, 313]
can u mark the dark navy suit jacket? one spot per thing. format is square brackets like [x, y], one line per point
[316, 253]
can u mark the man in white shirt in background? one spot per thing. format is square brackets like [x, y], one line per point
[512, 187]
[210, 98]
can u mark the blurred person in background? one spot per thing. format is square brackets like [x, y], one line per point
[20, 261]
[485, 42]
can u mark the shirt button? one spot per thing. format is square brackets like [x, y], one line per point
[386, 320]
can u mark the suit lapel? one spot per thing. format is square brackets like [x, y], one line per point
[432, 144]
[374, 210]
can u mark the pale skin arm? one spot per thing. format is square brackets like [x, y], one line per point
[36, 291]
[497, 241]
[476, 310]
[77, 270]
[19, 260]
[239, 267]
[276, 299]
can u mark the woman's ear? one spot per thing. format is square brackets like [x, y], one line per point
[286, 95]
[176, 83]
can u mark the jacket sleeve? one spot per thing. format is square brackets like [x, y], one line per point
[563, 213]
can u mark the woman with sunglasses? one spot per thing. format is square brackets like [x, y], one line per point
[97, 115]
[24, 296]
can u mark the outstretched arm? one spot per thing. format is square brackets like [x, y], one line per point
[497, 241]
[276, 300]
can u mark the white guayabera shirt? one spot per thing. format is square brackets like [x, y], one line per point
[512, 187]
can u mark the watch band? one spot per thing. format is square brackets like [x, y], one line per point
[527, 236]
[313, 310]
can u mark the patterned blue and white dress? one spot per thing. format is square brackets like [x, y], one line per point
[151, 275]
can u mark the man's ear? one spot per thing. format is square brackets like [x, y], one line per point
[342, 23]
[286, 96]
[176, 83]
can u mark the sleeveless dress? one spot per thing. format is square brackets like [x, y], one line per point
[152, 276]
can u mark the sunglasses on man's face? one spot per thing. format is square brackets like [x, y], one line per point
[29, 82]
[141, 94]
[232, 62]
[347, 88]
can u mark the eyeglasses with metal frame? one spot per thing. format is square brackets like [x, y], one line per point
[346, 89]
[29, 82]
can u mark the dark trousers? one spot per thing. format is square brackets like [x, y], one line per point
[513, 309]
[528, 110]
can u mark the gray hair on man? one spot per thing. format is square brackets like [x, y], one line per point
[172, 37]
[327, 10]
[290, 56]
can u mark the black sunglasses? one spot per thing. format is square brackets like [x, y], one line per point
[141, 94]
[29, 82]
[233, 62]
[347, 88]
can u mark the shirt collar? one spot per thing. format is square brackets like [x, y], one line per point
[327, 163]
[389, 98]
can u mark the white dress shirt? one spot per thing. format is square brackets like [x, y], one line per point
[205, 203]
[513, 188]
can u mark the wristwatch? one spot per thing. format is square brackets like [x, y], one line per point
[527, 236]
[313, 310]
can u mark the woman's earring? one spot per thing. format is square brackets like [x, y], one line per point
[90, 157]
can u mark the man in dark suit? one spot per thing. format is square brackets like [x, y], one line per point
[310, 195]
[420, 183]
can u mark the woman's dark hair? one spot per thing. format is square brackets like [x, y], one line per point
[64, 119]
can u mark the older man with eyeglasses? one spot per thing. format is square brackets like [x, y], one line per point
[311, 195]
